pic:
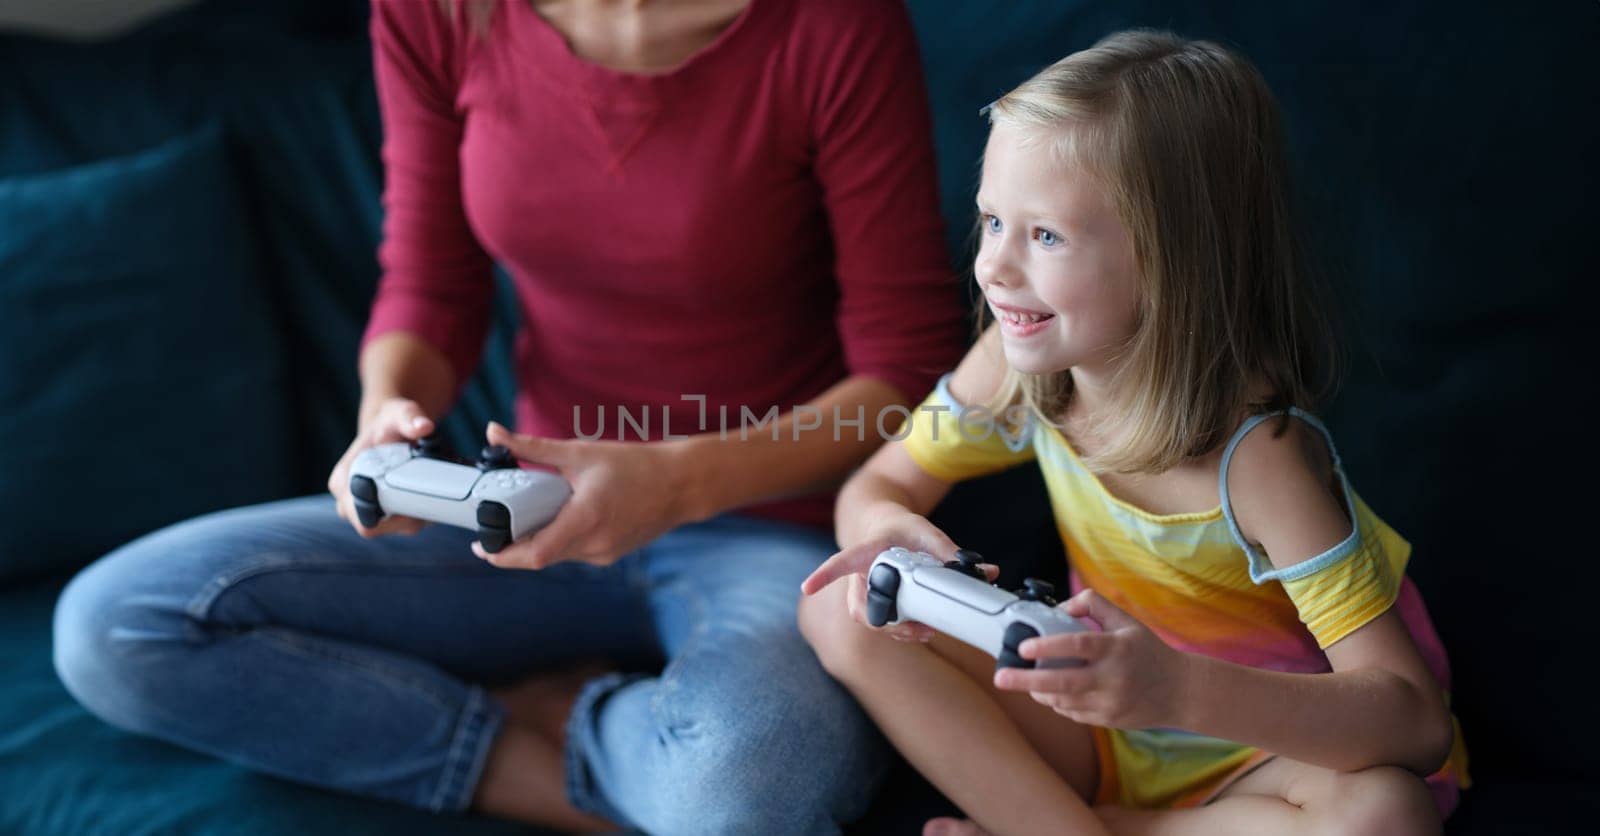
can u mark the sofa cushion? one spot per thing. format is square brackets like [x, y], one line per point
[140, 374]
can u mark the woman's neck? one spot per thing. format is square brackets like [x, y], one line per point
[638, 36]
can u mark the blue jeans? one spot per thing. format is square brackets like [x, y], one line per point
[277, 638]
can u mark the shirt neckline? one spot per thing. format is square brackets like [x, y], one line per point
[541, 41]
[1179, 518]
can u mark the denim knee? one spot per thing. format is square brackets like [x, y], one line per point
[801, 767]
[110, 643]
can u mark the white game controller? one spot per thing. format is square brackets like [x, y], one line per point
[494, 497]
[957, 599]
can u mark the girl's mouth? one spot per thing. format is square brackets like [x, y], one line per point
[1020, 323]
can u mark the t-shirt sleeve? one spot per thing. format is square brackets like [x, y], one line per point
[900, 316]
[1337, 592]
[1352, 584]
[436, 279]
[953, 442]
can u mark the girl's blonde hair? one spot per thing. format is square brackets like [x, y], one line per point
[1185, 138]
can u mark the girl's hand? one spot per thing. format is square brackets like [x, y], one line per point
[895, 526]
[623, 496]
[397, 419]
[1130, 679]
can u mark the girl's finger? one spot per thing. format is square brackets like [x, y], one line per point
[1086, 646]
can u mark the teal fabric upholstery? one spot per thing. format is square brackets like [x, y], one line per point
[290, 84]
[140, 373]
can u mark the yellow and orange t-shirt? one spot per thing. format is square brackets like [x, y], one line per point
[1193, 580]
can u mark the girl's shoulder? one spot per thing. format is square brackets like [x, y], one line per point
[1281, 480]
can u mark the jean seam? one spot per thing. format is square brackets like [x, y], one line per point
[469, 750]
[292, 642]
[200, 605]
[581, 792]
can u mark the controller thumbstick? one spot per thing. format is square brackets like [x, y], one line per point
[966, 563]
[430, 445]
[1034, 589]
[496, 457]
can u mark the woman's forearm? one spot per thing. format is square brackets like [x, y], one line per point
[402, 365]
[1347, 720]
[804, 451]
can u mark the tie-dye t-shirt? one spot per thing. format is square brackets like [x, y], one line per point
[1194, 581]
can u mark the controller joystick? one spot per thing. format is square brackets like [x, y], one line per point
[496, 457]
[430, 445]
[1034, 589]
[903, 585]
[967, 563]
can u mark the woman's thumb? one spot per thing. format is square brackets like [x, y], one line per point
[415, 424]
[407, 419]
[527, 447]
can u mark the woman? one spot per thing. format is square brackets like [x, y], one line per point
[705, 209]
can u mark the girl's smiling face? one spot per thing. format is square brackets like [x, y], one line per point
[1055, 262]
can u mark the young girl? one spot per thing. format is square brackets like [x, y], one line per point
[1263, 665]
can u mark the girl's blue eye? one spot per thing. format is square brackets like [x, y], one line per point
[1047, 238]
[992, 223]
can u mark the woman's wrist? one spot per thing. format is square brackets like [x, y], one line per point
[688, 467]
[371, 403]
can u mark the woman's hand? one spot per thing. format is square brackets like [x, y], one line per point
[894, 526]
[1130, 679]
[397, 419]
[624, 494]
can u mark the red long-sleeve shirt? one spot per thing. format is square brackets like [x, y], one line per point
[752, 226]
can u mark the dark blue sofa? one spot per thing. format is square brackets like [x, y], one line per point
[188, 216]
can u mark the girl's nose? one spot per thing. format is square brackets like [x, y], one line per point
[993, 266]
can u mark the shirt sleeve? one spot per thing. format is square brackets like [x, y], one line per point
[953, 442]
[1338, 591]
[1352, 584]
[900, 316]
[436, 279]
